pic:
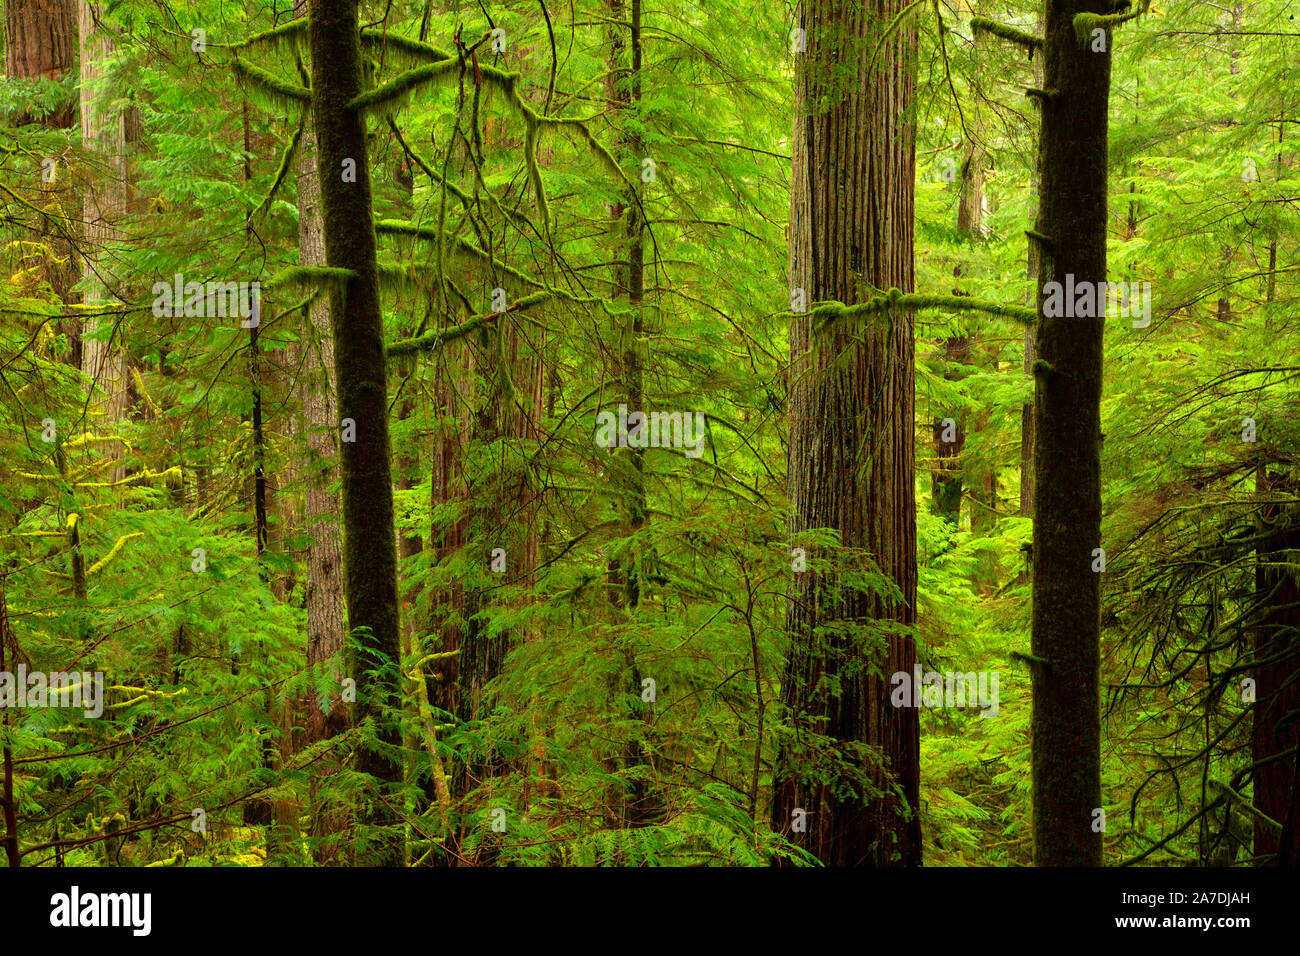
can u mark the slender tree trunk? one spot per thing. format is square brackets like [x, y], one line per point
[623, 99]
[946, 476]
[851, 454]
[369, 535]
[1066, 735]
[949, 440]
[8, 801]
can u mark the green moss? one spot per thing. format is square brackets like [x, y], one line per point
[295, 32]
[281, 94]
[534, 173]
[827, 312]
[407, 49]
[400, 88]
[1027, 40]
[312, 277]
[436, 340]
[1085, 23]
[1042, 240]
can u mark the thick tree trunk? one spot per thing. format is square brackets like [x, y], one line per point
[369, 536]
[1031, 346]
[103, 130]
[851, 456]
[1066, 735]
[41, 40]
[314, 359]
[1275, 732]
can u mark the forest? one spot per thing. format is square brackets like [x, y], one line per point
[615, 433]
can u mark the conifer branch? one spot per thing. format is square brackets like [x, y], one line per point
[1029, 41]
[432, 341]
[1086, 23]
[281, 92]
[827, 312]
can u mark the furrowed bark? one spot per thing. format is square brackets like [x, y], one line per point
[851, 457]
[314, 357]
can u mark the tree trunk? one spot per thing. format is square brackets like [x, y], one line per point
[946, 472]
[41, 40]
[103, 130]
[314, 358]
[1030, 343]
[369, 535]
[1066, 735]
[623, 99]
[1275, 734]
[8, 799]
[851, 454]
[946, 476]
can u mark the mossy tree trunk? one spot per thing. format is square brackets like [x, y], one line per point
[851, 452]
[623, 100]
[1066, 735]
[1275, 734]
[369, 536]
[1030, 344]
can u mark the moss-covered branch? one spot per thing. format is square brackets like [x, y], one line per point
[400, 227]
[400, 88]
[1029, 41]
[301, 277]
[171, 476]
[826, 312]
[441, 65]
[1086, 23]
[413, 50]
[113, 553]
[295, 30]
[435, 340]
[280, 92]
